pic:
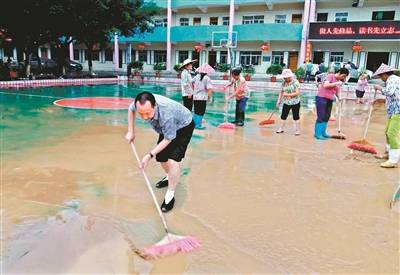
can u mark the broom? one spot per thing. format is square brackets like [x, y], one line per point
[269, 121]
[339, 134]
[363, 145]
[171, 243]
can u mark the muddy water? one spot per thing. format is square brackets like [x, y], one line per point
[260, 203]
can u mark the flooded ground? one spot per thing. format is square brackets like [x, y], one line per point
[260, 202]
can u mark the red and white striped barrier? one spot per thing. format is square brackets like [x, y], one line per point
[17, 84]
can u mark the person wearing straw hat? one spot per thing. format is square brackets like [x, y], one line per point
[187, 83]
[174, 124]
[391, 90]
[324, 101]
[240, 92]
[202, 92]
[290, 95]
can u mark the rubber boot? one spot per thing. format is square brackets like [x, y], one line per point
[241, 119]
[323, 131]
[319, 127]
[394, 155]
[197, 121]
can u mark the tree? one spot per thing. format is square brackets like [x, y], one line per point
[59, 22]
[95, 21]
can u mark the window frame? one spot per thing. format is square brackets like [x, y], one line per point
[341, 16]
[250, 58]
[336, 57]
[325, 14]
[160, 22]
[213, 18]
[184, 54]
[383, 15]
[279, 20]
[277, 54]
[158, 54]
[182, 23]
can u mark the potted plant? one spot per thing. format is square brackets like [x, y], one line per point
[158, 67]
[177, 69]
[137, 67]
[224, 68]
[300, 73]
[248, 71]
[274, 70]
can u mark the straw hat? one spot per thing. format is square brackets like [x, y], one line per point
[287, 73]
[383, 68]
[187, 61]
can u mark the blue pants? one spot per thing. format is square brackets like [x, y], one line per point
[241, 104]
[324, 108]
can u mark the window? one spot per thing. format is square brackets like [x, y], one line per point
[322, 17]
[225, 20]
[160, 56]
[277, 57]
[214, 21]
[383, 15]
[76, 54]
[96, 55]
[223, 58]
[250, 58]
[280, 18]
[184, 21]
[160, 22]
[296, 18]
[143, 56]
[337, 56]
[196, 21]
[182, 56]
[341, 16]
[108, 55]
[256, 19]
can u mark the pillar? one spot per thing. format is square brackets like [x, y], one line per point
[116, 52]
[231, 22]
[129, 53]
[304, 34]
[169, 24]
[71, 49]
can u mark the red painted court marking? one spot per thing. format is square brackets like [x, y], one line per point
[102, 103]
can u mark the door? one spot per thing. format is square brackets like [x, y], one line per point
[318, 57]
[375, 59]
[293, 58]
[212, 58]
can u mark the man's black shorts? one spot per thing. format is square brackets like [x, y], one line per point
[177, 148]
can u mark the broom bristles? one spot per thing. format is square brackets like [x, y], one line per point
[362, 148]
[338, 136]
[178, 244]
[266, 122]
[363, 142]
[227, 125]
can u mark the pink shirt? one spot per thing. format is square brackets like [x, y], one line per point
[361, 85]
[328, 93]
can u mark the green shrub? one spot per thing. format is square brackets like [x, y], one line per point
[248, 70]
[300, 73]
[223, 67]
[137, 65]
[177, 68]
[274, 69]
[159, 67]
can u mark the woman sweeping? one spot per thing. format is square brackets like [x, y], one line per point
[187, 84]
[392, 92]
[324, 100]
[202, 92]
[240, 92]
[290, 95]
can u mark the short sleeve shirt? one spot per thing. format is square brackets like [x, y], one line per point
[328, 93]
[169, 116]
[186, 83]
[290, 88]
[201, 87]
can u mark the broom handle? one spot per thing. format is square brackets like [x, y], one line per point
[273, 112]
[369, 115]
[150, 189]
